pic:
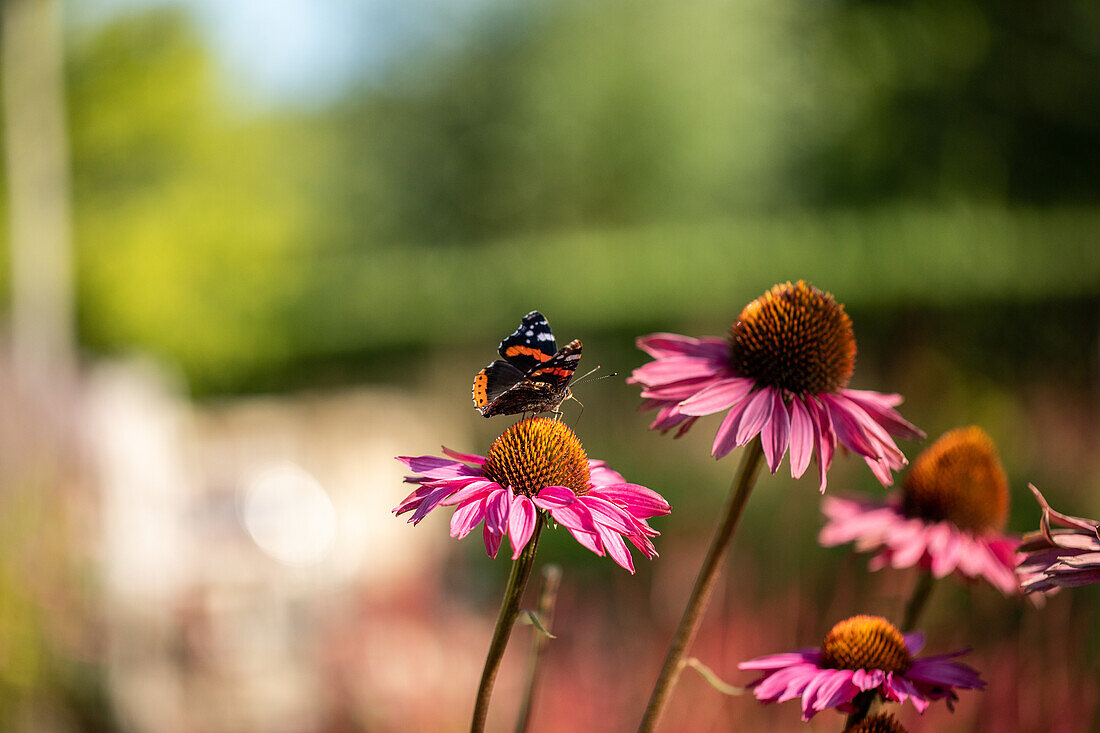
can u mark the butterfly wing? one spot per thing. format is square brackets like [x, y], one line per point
[525, 396]
[529, 345]
[493, 381]
[558, 369]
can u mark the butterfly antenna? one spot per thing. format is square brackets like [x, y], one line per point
[581, 378]
[577, 421]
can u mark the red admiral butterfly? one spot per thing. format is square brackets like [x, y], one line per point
[534, 376]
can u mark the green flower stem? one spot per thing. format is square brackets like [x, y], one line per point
[704, 584]
[862, 707]
[551, 579]
[921, 593]
[509, 609]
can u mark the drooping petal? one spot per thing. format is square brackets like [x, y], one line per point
[880, 407]
[757, 412]
[497, 508]
[848, 430]
[466, 517]
[521, 523]
[802, 438]
[725, 439]
[776, 433]
[638, 500]
[492, 540]
[615, 547]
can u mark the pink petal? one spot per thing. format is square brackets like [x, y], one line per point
[474, 489]
[776, 433]
[465, 457]
[717, 397]
[667, 371]
[616, 548]
[588, 540]
[638, 500]
[775, 661]
[521, 523]
[607, 514]
[492, 541]
[880, 408]
[802, 438]
[554, 497]
[725, 439]
[431, 501]
[663, 345]
[467, 517]
[848, 430]
[497, 506]
[757, 412]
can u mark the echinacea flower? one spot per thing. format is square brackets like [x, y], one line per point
[949, 516]
[783, 374]
[1060, 558]
[537, 464]
[880, 723]
[862, 654]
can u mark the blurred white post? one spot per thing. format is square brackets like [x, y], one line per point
[39, 210]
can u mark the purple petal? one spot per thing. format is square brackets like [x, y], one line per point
[429, 502]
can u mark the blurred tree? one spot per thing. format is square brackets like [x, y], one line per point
[191, 216]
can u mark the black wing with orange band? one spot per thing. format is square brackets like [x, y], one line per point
[529, 345]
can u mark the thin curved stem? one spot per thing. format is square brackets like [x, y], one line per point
[704, 584]
[921, 593]
[509, 609]
[551, 579]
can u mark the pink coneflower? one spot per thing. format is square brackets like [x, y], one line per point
[948, 517]
[862, 654]
[783, 374]
[537, 463]
[1056, 558]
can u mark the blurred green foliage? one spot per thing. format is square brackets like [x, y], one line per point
[614, 165]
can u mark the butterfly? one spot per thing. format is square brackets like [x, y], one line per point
[534, 374]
